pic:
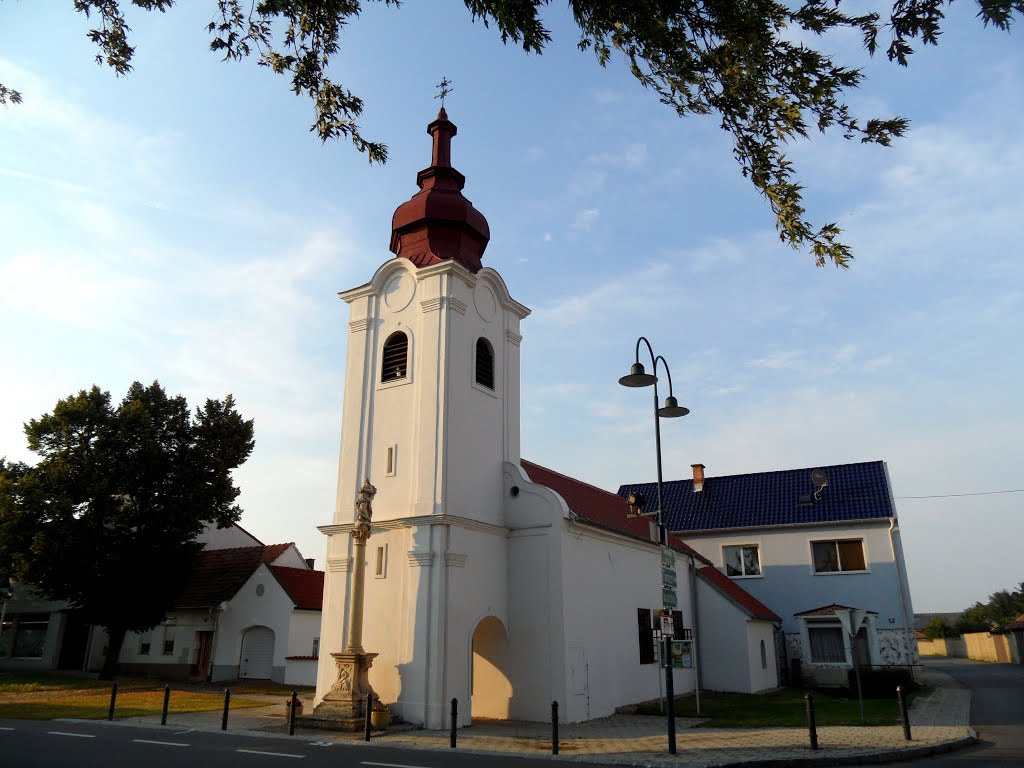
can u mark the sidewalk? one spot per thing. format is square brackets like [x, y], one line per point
[939, 723]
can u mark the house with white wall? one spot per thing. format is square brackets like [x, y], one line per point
[250, 612]
[490, 579]
[820, 546]
[247, 610]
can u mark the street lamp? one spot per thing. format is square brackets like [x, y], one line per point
[638, 377]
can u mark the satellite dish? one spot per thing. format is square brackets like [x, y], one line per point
[820, 481]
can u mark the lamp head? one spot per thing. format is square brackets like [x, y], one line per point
[638, 377]
[636, 500]
[672, 408]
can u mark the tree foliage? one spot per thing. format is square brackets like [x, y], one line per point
[107, 518]
[938, 628]
[753, 63]
[1003, 608]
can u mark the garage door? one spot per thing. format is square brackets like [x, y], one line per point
[257, 653]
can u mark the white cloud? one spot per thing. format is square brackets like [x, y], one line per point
[585, 220]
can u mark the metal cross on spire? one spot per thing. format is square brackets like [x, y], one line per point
[445, 88]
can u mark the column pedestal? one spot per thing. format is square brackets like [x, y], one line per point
[344, 706]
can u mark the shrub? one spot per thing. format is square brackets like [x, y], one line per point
[881, 682]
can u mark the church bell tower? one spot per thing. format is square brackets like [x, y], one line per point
[431, 417]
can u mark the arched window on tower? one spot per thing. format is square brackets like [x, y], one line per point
[396, 357]
[484, 363]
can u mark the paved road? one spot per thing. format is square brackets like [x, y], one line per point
[997, 713]
[56, 744]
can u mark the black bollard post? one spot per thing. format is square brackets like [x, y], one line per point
[812, 729]
[455, 720]
[227, 703]
[904, 715]
[369, 709]
[292, 705]
[554, 727]
[167, 701]
[113, 701]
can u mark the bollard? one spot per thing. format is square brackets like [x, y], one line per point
[167, 701]
[812, 729]
[113, 700]
[227, 703]
[369, 709]
[455, 720]
[291, 713]
[554, 727]
[904, 715]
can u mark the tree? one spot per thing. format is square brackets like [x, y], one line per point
[108, 517]
[749, 62]
[1003, 608]
[938, 628]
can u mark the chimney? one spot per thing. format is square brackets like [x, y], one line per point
[698, 477]
[309, 562]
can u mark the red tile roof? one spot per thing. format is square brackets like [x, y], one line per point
[754, 607]
[304, 587]
[220, 573]
[600, 507]
[273, 551]
[1018, 623]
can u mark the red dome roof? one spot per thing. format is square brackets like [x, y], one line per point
[438, 223]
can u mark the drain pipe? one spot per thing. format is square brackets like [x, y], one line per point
[696, 632]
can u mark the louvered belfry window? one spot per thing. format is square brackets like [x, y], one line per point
[396, 357]
[484, 363]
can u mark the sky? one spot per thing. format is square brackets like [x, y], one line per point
[182, 224]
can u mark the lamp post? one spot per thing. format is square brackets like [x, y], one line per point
[638, 377]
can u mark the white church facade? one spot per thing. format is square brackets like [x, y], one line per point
[488, 579]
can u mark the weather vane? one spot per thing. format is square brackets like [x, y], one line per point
[445, 88]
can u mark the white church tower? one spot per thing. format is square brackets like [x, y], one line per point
[431, 418]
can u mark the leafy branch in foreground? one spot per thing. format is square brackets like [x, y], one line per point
[748, 62]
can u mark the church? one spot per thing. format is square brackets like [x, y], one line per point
[483, 577]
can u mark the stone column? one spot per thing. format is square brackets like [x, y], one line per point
[355, 604]
[344, 706]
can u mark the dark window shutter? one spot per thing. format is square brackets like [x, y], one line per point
[395, 363]
[484, 363]
[645, 635]
[677, 625]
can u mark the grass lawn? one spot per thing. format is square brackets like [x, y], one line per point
[783, 708]
[45, 697]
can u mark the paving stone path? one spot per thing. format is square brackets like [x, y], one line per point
[939, 722]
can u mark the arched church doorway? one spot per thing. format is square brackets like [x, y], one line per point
[257, 659]
[490, 687]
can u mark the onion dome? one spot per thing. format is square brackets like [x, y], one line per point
[438, 223]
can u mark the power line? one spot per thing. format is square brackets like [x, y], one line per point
[951, 495]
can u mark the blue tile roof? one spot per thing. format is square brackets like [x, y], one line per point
[786, 497]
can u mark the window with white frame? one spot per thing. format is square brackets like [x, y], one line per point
[380, 566]
[742, 560]
[826, 645]
[391, 463]
[838, 555]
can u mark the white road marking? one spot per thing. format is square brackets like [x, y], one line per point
[393, 765]
[79, 735]
[5, 728]
[161, 743]
[273, 754]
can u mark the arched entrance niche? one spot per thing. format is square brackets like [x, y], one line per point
[490, 686]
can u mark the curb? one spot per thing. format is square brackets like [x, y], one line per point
[864, 758]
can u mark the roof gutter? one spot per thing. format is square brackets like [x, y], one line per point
[832, 523]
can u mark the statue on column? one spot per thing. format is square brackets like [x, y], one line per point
[364, 512]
